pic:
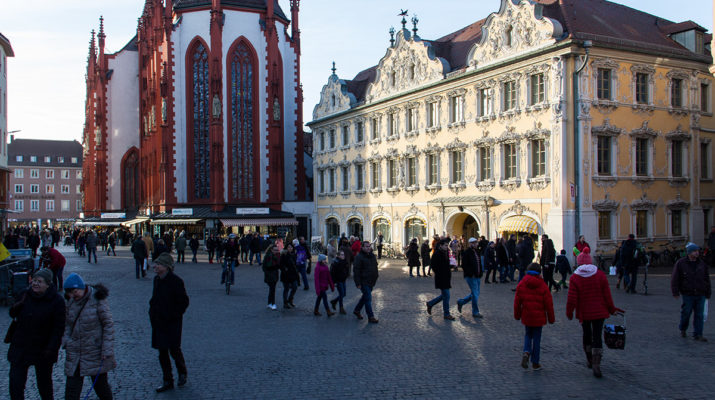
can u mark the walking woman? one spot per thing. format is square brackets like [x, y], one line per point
[339, 271]
[442, 278]
[413, 256]
[39, 319]
[425, 253]
[322, 282]
[271, 267]
[590, 296]
[88, 339]
[289, 275]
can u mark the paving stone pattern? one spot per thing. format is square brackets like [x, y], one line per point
[236, 348]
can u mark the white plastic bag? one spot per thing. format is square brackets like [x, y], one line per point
[612, 270]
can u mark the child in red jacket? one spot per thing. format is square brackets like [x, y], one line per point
[323, 281]
[533, 305]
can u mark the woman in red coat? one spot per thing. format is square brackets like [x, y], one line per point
[533, 305]
[590, 296]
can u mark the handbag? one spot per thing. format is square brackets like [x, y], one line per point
[11, 331]
[612, 270]
[615, 335]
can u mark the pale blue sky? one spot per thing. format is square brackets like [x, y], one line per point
[50, 39]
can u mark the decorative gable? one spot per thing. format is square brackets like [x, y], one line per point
[333, 98]
[409, 64]
[518, 27]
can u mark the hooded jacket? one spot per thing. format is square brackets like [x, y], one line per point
[533, 304]
[41, 321]
[589, 294]
[93, 336]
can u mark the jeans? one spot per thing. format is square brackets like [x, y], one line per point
[180, 256]
[342, 289]
[244, 255]
[165, 362]
[271, 292]
[193, 259]
[474, 286]
[444, 298]
[592, 333]
[304, 275]
[139, 265]
[289, 289]
[512, 270]
[365, 300]
[226, 262]
[632, 278]
[532, 342]
[256, 254]
[696, 305]
[503, 271]
[111, 247]
[73, 387]
[18, 378]
[57, 278]
[90, 251]
[324, 297]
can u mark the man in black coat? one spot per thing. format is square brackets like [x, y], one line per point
[442, 278]
[365, 275]
[511, 254]
[40, 316]
[140, 255]
[548, 261]
[525, 254]
[166, 309]
[629, 262]
[472, 267]
[691, 280]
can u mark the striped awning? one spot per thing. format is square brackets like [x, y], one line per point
[187, 221]
[519, 223]
[258, 221]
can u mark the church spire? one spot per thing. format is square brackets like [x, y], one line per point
[101, 36]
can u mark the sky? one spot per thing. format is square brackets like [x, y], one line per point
[46, 86]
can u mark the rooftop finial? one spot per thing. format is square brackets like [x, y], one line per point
[414, 24]
[333, 69]
[101, 25]
[403, 14]
[392, 36]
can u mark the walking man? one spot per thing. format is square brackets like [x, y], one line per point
[691, 280]
[442, 278]
[472, 268]
[140, 255]
[378, 243]
[91, 243]
[166, 309]
[365, 275]
[629, 261]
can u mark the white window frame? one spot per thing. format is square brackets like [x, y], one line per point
[74, 160]
[20, 205]
[360, 177]
[19, 186]
[490, 152]
[375, 175]
[456, 109]
[50, 174]
[65, 174]
[78, 204]
[345, 136]
[49, 188]
[64, 205]
[49, 205]
[78, 174]
[613, 141]
[321, 181]
[649, 72]
[393, 173]
[65, 189]
[48, 159]
[455, 180]
[18, 158]
[33, 159]
[332, 184]
[429, 184]
[19, 173]
[515, 100]
[35, 188]
[34, 205]
[432, 113]
[359, 132]
[408, 176]
[543, 89]
[532, 142]
[485, 102]
[345, 179]
[504, 160]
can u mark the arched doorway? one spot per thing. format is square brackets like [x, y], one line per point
[355, 227]
[332, 228]
[382, 225]
[130, 179]
[463, 224]
[415, 228]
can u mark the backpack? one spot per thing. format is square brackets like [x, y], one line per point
[300, 256]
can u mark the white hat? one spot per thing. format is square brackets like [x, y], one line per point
[472, 240]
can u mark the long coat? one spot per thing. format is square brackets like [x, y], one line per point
[41, 321]
[442, 270]
[168, 303]
[289, 273]
[271, 266]
[93, 336]
[413, 255]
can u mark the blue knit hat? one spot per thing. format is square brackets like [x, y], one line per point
[74, 281]
[691, 247]
[322, 257]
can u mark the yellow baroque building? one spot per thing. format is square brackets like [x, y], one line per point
[474, 133]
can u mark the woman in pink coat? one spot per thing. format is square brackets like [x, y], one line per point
[323, 281]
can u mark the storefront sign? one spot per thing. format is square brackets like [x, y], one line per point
[252, 211]
[182, 211]
[112, 215]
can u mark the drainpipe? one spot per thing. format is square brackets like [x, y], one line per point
[576, 141]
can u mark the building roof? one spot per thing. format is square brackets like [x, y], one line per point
[600, 21]
[5, 44]
[42, 148]
[251, 4]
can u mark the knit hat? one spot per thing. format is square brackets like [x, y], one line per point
[322, 257]
[45, 274]
[584, 257]
[74, 281]
[165, 259]
[691, 247]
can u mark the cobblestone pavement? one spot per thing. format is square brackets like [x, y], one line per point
[236, 348]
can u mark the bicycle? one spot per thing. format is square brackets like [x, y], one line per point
[227, 279]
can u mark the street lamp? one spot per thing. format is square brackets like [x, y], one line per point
[488, 202]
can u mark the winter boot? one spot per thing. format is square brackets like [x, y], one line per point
[597, 353]
[316, 312]
[589, 359]
[342, 311]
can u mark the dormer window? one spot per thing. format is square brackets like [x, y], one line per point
[393, 78]
[333, 100]
[412, 71]
[508, 36]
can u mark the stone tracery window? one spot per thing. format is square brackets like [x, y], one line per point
[199, 145]
[241, 124]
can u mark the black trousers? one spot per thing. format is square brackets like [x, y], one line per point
[271, 292]
[165, 362]
[180, 256]
[18, 378]
[73, 387]
[379, 251]
[592, 333]
[548, 273]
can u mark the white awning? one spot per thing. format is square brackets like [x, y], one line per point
[98, 223]
[134, 221]
[188, 221]
[259, 221]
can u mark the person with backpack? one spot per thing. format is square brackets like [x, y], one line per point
[564, 267]
[301, 259]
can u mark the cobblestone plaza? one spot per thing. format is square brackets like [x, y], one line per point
[236, 348]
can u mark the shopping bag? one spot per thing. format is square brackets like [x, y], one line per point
[705, 310]
[612, 270]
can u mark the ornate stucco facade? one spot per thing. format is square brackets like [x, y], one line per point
[474, 133]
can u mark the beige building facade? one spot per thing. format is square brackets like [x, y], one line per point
[474, 133]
